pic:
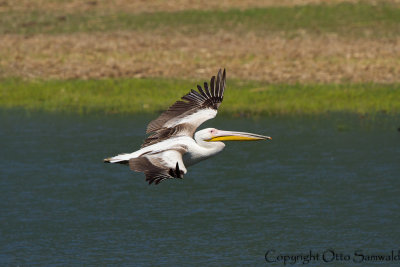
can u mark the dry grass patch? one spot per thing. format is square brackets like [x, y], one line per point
[327, 59]
[138, 6]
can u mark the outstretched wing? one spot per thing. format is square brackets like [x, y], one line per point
[183, 117]
[160, 165]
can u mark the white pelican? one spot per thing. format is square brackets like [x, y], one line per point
[173, 144]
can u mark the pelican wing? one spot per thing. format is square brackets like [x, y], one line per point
[160, 165]
[183, 117]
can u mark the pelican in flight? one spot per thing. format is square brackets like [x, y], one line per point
[174, 143]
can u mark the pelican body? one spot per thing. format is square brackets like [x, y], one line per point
[174, 145]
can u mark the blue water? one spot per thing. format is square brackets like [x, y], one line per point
[328, 182]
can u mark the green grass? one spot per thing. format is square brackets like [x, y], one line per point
[362, 19]
[130, 96]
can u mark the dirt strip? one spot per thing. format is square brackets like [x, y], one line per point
[325, 59]
[138, 6]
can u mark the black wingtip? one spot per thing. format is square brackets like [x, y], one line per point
[211, 88]
[223, 83]
[221, 74]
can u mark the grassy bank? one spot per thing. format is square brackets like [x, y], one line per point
[301, 59]
[361, 19]
[309, 44]
[132, 96]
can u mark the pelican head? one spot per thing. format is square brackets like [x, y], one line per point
[215, 135]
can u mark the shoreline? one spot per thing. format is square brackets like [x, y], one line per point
[154, 95]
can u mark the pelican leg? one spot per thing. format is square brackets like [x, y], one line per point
[177, 173]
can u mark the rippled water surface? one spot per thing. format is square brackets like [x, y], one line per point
[329, 182]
